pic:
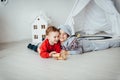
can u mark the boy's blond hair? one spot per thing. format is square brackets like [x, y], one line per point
[51, 29]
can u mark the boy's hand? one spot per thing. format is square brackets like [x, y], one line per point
[56, 55]
[62, 55]
[64, 52]
[51, 53]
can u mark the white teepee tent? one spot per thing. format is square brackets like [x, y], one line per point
[93, 16]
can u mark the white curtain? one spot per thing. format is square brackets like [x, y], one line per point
[98, 15]
[78, 6]
[112, 15]
[95, 20]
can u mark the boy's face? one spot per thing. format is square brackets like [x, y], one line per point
[63, 36]
[53, 37]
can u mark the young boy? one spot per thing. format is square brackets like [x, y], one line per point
[69, 43]
[51, 46]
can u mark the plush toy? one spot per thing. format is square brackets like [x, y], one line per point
[62, 56]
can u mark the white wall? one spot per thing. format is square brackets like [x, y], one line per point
[16, 17]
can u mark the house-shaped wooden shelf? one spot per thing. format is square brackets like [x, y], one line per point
[39, 27]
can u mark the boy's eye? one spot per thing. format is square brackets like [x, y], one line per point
[56, 36]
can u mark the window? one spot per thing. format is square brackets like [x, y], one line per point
[35, 26]
[42, 26]
[38, 19]
[35, 36]
[43, 37]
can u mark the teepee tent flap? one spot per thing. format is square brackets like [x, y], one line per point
[92, 16]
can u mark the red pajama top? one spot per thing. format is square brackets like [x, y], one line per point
[46, 48]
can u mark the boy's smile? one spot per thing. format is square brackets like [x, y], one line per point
[53, 37]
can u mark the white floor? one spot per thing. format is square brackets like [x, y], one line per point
[19, 63]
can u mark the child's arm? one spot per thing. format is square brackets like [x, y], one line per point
[73, 46]
[54, 54]
[63, 55]
[43, 51]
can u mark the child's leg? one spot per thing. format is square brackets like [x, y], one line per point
[86, 45]
[32, 47]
